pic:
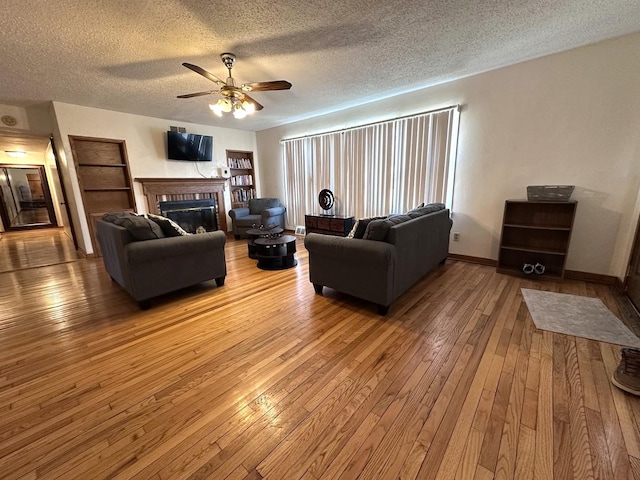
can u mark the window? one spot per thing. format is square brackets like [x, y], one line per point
[377, 169]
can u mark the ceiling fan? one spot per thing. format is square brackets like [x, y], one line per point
[234, 98]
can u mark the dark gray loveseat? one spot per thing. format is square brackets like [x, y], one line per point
[148, 268]
[381, 270]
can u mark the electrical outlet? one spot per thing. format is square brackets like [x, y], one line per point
[456, 236]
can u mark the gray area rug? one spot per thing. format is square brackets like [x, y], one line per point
[578, 316]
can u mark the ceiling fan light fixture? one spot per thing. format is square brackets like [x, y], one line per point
[227, 105]
[248, 107]
[223, 105]
[238, 111]
[217, 109]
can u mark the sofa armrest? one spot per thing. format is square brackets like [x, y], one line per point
[273, 212]
[235, 213]
[163, 248]
[362, 268]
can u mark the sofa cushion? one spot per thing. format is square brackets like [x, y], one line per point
[378, 229]
[140, 228]
[168, 226]
[360, 226]
[427, 209]
[257, 205]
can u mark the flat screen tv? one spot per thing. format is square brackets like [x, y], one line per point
[189, 146]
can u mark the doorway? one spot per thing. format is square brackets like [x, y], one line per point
[25, 198]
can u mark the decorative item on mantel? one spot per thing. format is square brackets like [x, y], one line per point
[549, 193]
[326, 200]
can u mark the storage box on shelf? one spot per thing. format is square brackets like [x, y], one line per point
[242, 181]
[536, 232]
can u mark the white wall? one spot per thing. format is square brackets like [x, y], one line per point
[571, 118]
[145, 139]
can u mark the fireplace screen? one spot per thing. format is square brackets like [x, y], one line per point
[194, 216]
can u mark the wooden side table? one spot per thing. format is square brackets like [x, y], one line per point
[337, 225]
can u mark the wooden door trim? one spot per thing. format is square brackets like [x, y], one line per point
[63, 188]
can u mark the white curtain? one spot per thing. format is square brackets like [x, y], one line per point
[387, 167]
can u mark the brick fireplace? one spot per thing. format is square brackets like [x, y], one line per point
[157, 190]
[194, 216]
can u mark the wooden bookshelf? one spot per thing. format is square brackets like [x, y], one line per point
[102, 166]
[242, 180]
[536, 232]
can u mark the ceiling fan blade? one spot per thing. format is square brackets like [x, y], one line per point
[199, 94]
[251, 100]
[204, 73]
[264, 86]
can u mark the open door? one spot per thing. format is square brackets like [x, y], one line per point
[632, 287]
[25, 199]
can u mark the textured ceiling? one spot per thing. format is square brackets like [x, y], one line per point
[126, 55]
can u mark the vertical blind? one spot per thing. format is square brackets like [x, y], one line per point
[387, 167]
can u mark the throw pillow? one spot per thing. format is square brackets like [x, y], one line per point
[427, 209]
[140, 228]
[416, 207]
[168, 226]
[378, 229]
[434, 207]
[360, 227]
[353, 230]
[112, 216]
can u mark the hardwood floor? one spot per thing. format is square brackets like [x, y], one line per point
[262, 378]
[35, 248]
[29, 216]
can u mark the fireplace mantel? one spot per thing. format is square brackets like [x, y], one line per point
[158, 190]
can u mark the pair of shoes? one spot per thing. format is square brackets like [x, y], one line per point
[627, 375]
[538, 268]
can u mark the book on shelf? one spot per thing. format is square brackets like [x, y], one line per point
[239, 163]
[242, 180]
[243, 195]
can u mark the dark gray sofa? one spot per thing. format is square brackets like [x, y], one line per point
[380, 270]
[148, 268]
